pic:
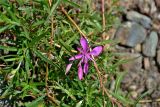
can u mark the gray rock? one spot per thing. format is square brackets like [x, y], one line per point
[146, 6]
[158, 57]
[138, 48]
[134, 94]
[146, 63]
[139, 18]
[133, 65]
[152, 80]
[150, 44]
[133, 62]
[155, 94]
[130, 34]
[153, 7]
[156, 16]
[157, 3]
[150, 84]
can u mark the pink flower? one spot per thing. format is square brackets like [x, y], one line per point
[85, 55]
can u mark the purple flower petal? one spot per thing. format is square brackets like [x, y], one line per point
[96, 51]
[84, 44]
[85, 68]
[75, 57]
[68, 68]
[80, 50]
[85, 60]
[80, 72]
[88, 56]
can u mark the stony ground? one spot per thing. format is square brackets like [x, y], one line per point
[139, 40]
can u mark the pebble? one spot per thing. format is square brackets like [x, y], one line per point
[134, 94]
[155, 94]
[158, 57]
[150, 44]
[153, 7]
[138, 48]
[150, 84]
[156, 16]
[147, 6]
[133, 87]
[157, 3]
[139, 18]
[130, 34]
[133, 62]
[146, 63]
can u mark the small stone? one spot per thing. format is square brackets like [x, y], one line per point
[134, 62]
[139, 18]
[146, 6]
[138, 48]
[146, 63]
[130, 34]
[134, 94]
[153, 7]
[150, 44]
[157, 3]
[157, 16]
[155, 104]
[156, 26]
[133, 87]
[146, 105]
[127, 4]
[143, 6]
[158, 57]
[150, 84]
[155, 94]
[141, 89]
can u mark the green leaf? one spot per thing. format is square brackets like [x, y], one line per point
[39, 22]
[66, 91]
[36, 102]
[72, 3]
[122, 99]
[140, 97]
[6, 92]
[79, 104]
[12, 59]
[39, 54]
[8, 48]
[38, 37]
[27, 61]
[65, 45]
[53, 9]
[13, 16]
[2, 29]
[118, 81]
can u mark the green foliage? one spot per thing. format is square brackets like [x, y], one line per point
[27, 55]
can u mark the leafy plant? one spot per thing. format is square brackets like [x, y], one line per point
[37, 39]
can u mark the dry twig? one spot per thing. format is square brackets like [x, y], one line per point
[51, 98]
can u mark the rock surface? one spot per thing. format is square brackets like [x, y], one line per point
[150, 44]
[139, 18]
[146, 6]
[134, 61]
[158, 57]
[157, 3]
[130, 34]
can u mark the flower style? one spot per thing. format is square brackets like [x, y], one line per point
[85, 54]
